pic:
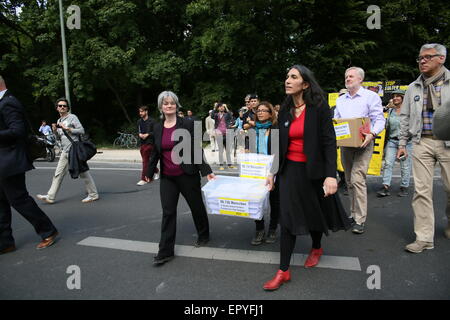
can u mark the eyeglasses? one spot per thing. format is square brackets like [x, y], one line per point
[62, 105]
[427, 57]
[268, 111]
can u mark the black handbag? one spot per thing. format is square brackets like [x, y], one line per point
[86, 148]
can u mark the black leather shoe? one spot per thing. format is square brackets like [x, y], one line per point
[8, 249]
[159, 261]
[201, 242]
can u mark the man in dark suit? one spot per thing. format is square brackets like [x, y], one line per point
[13, 165]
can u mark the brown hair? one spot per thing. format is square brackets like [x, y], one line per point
[273, 113]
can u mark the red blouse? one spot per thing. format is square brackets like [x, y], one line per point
[296, 142]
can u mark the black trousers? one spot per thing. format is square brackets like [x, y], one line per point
[170, 189]
[287, 244]
[13, 193]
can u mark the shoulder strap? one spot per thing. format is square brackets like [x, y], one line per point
[68, 137]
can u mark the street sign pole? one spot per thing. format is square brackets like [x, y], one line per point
[64, 51]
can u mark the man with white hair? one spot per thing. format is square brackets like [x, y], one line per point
[430, 91]
[359, 102]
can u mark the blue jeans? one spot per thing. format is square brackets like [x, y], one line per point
[389, 160]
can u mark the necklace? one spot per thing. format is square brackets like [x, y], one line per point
[298, 107]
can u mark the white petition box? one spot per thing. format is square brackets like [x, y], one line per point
[245, 196]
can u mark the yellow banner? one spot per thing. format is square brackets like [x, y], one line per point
[332, 97]
[375, 86]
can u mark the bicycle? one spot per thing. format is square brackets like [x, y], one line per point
[125, 140]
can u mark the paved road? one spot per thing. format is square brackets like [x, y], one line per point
[92, 239]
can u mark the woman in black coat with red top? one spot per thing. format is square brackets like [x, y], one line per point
[307, 171]
[180, 173]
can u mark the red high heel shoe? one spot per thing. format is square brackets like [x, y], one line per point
[313, 258]
[280, 278]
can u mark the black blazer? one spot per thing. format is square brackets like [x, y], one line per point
[13, 133]
[319, 141]
[188, 168]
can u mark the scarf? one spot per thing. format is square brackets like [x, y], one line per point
[432, 99]
[261, 139]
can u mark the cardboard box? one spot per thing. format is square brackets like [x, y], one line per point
[349, 131]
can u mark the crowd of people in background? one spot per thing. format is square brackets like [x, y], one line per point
[303, 192]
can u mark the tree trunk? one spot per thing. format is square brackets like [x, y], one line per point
[122, 106]
[139, 99]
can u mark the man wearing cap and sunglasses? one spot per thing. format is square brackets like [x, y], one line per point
[424, 96]
[69, 124]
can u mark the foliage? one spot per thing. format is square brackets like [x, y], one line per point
[127, 51]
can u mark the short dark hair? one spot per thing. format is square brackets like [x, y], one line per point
[64, 100]
[254, 96]
[143, 108]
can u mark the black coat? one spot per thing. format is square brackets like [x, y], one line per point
[80, 152]
[319, 141]
[188, 168]
[13, 133]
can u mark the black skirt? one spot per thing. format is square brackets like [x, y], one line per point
[303, 207]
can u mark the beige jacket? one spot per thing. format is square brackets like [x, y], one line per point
[411, 121]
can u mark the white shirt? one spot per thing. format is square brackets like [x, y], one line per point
[2, 93]
[364, 103]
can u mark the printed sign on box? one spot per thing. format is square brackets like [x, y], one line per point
[235, 207]
[253, 170]
[254, 166]
[342, 131]
[349, 132]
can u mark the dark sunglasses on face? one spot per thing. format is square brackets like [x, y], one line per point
[62, 105]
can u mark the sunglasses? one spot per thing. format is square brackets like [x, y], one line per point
[62, 105]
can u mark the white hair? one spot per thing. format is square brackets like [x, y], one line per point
[440, 49]
[166, 94]
[360, 71]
